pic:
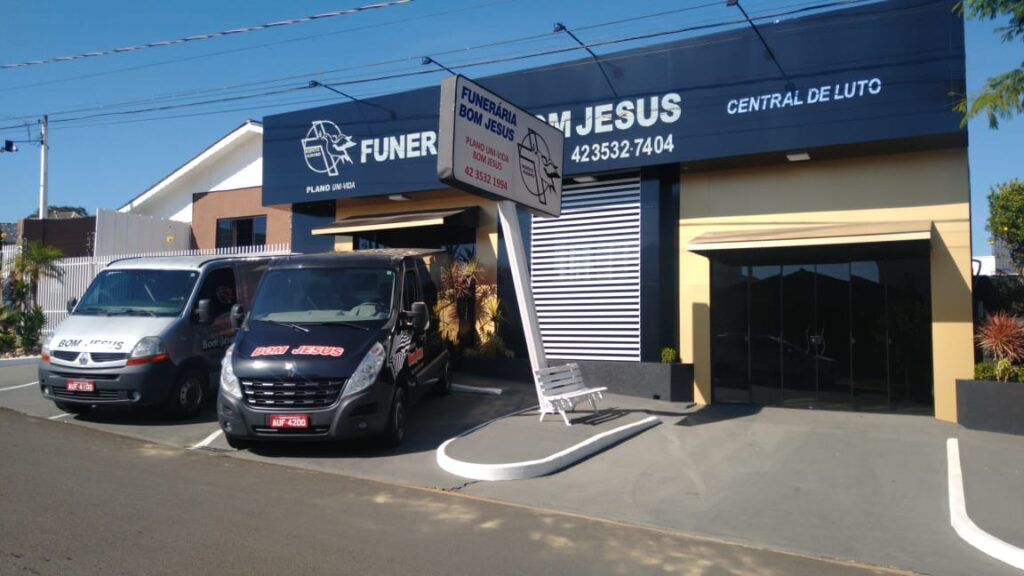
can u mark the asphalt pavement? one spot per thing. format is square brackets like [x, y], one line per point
[79, 501]
[864, 487]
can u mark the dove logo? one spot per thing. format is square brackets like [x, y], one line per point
[326, 147]
[537, 166]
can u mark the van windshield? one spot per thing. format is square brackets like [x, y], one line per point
[324, 295]
[131, 292]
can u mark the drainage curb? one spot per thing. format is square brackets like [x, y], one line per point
[542, 466]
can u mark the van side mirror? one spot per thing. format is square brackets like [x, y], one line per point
[72, 302]
[418, 316]
[237, 316]
[203, 311]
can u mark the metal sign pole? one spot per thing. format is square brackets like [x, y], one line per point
[521, 279]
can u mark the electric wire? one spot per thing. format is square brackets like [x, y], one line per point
[505, 59]
[238, 87]
[206, 36]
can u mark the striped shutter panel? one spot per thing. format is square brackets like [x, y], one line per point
[585, 273]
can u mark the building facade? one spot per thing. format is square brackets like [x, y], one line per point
[801, 238]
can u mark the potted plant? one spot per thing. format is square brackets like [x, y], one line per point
[994, 400]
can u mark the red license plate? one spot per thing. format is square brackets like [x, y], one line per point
[289, 421]
[81, 386]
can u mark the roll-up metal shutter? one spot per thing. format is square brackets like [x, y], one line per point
[585, 273]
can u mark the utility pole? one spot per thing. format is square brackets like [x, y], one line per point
[43, 147]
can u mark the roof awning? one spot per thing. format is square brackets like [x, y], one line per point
[466, 217]
[811, 236]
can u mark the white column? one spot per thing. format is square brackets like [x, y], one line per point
[521, 280]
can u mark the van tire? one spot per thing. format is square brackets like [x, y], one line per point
[187, 394]
[395, 431]
[73, 408]
[443, 386]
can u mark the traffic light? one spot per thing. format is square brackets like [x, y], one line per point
[9, 146]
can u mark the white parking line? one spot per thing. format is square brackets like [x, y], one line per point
[19, 386]
[59, 416]
[962, 523]
[206, 441]
[476, 389]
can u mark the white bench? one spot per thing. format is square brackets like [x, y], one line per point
[561, 388]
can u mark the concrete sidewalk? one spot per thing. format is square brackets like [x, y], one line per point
[864, 487]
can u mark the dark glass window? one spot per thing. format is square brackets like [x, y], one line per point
[219, 289]
[248, 231]
[820, 330]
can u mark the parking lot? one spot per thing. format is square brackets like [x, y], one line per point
[861, 487]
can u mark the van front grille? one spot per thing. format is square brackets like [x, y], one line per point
[294, 394]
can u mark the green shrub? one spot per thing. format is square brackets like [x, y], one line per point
[985, 371]
[28, 328]
[668, 355]
[1005, 370]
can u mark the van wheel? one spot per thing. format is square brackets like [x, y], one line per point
[395, 431]
[443, 387]
[73, 408]
[187, 394]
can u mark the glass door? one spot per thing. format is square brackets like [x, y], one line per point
[799, 331]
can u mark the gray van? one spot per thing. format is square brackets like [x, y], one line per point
[148, 331]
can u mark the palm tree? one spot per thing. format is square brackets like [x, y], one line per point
[37, 260]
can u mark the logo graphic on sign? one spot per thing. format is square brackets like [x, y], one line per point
[537, 167]
[326, 146]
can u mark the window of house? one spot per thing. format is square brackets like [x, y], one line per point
[248, 231]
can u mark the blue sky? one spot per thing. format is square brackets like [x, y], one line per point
[105, 161]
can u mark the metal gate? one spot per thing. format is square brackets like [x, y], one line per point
[585, 273]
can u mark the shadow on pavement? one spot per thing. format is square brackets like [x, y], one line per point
[145, 416]
[714, 413]
[430, 423]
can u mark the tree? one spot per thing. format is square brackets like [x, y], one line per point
[61, 212]
[36, 261]
[1002, 97]
[1006, 218]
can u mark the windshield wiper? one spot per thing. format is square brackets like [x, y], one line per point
[288, 324]
[92, 310]
[338, 323]
[139, 311]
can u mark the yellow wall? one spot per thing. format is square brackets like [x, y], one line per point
[926, 186]
[486, 232]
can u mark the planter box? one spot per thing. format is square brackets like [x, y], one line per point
[672, 382]
[990, 406]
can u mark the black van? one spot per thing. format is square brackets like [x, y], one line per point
[336, 346]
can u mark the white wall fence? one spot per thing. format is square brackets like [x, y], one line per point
[79, 272]
[9, 254]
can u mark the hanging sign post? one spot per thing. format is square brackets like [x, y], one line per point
[492, 148]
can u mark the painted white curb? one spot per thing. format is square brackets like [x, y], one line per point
[964, 526]
[5, 362]
[543, 466]
[476, 390]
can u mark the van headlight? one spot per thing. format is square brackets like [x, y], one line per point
[228, 380]
[367, 371]
[149, 349]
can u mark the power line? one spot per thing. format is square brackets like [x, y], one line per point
[186, 95]
[504, 59]
[207, 36]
